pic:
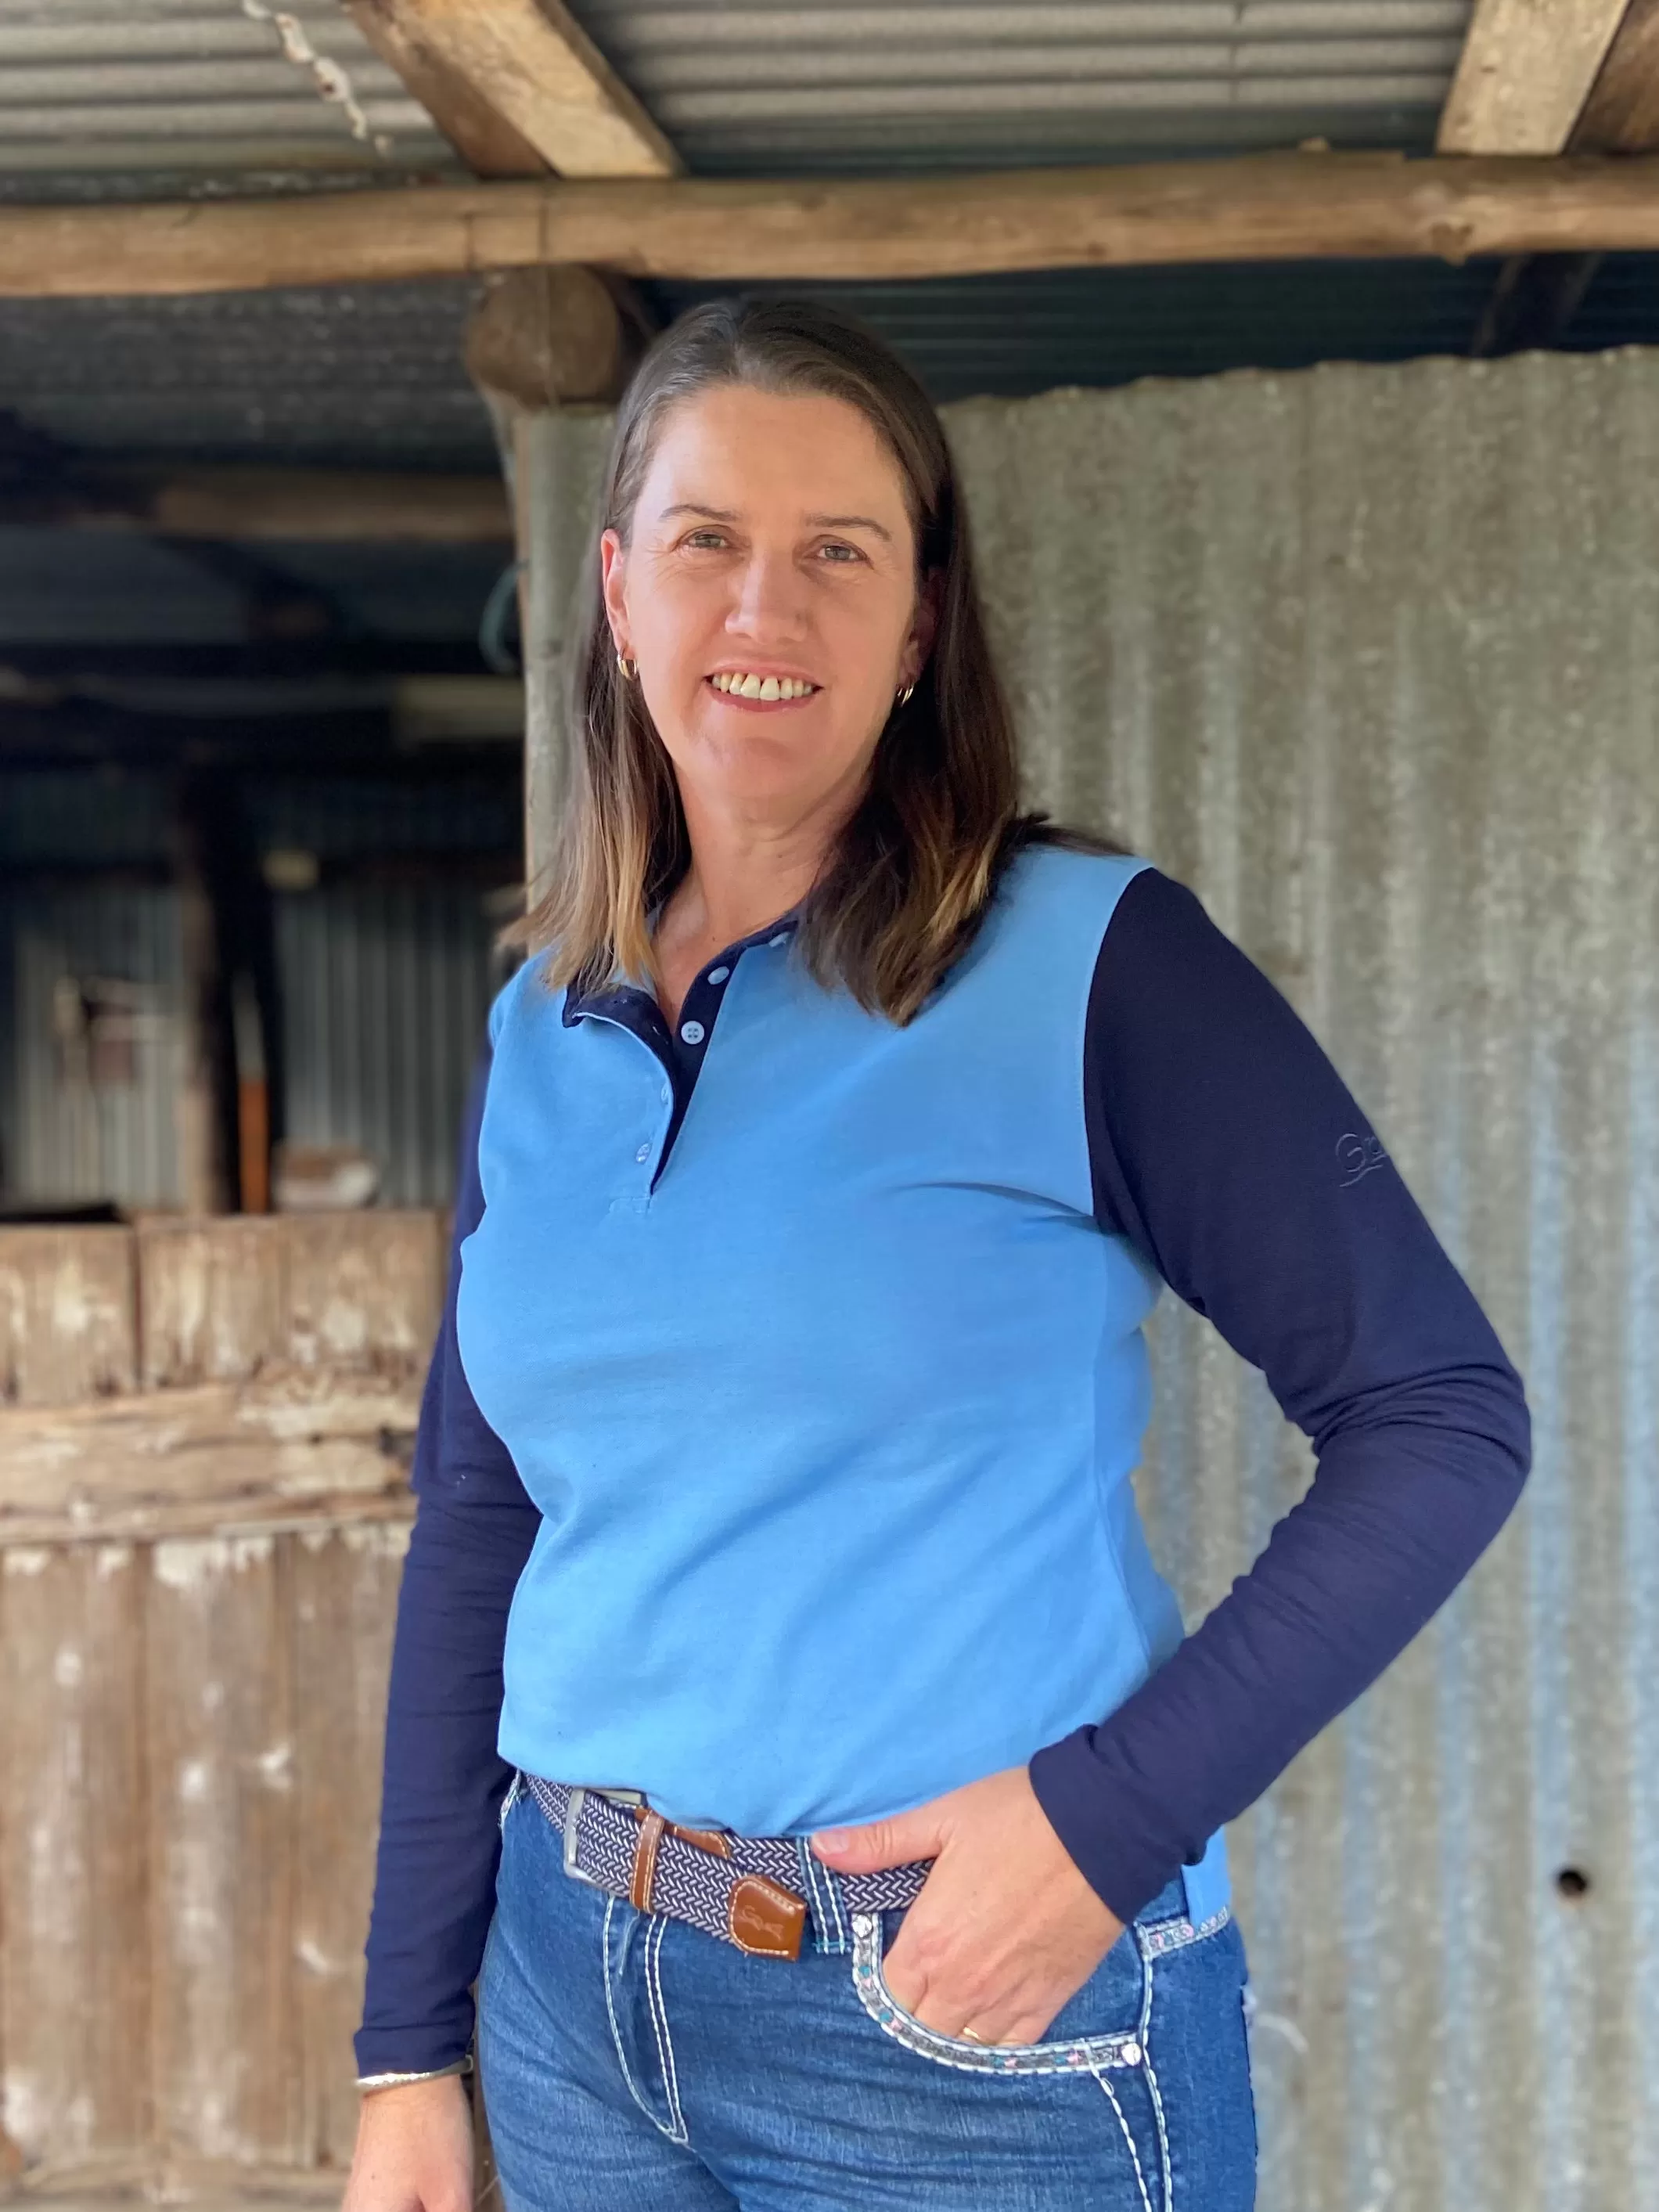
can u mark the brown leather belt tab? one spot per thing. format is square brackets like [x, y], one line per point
[745, 1890]
[765, 1918]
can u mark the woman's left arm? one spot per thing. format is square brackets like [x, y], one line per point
[1224, 1145]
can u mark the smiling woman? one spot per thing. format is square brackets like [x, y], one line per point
[788, 1727]
[781, 508]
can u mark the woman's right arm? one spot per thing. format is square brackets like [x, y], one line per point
[443, 1779]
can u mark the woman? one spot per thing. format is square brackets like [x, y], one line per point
[856, 1793]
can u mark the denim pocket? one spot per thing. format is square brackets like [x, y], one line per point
[1108, 1990]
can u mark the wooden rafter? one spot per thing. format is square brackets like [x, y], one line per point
[1524, 74]
[247, 505]
[1621, 115]
[485, 141]
[1273, 208]
[518, 84]
[1571, 77]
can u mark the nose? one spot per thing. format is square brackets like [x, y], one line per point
[768, 602]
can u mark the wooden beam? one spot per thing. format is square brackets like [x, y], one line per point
[485, 141]
[1523, 75]
[250, 505]
[545, 337]
[1537, 295]
[1268, 208]
[1621, 115]
[290, 1448]
[526, 63]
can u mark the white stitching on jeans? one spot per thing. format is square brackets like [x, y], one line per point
[1134, 2155]
[1086, 2053]
[615, 2033]
[660, 2022]
[810, 1870]
[510, 1799]
[1147, 1954]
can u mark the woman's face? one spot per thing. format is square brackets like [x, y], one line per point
[771, 539]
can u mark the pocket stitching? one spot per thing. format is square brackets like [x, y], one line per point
[1081, 2055]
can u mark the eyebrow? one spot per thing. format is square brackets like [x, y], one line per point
[823, 521]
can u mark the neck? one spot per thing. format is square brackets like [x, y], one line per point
[743, 874]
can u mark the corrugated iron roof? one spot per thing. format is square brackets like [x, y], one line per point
[236, 89]
[195, 88]
[372, 372]
[841, 85]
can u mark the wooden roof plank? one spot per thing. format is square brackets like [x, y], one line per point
[509, 81]
[1270, 208]
[1524, 74]
[1621, 115]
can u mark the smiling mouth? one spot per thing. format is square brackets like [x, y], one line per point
[763, 691]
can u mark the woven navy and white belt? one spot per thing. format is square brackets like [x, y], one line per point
[760, 1892]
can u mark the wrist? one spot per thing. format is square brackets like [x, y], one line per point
[374, 2084]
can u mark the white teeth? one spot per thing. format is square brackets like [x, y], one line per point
[759, 687]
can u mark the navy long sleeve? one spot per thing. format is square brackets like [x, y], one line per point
[443, 1783]
[1224, 1145]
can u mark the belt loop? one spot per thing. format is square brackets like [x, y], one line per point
[816, 1881]
[652, 1826]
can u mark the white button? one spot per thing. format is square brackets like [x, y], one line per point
[719, 975]
[1132, 2054]
[691, 1032]
[643, 1153]
[782, 938]
[666, 1094]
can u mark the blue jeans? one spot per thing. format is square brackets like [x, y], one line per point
[631, 2062]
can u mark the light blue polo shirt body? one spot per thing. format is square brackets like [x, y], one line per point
[831, 1424]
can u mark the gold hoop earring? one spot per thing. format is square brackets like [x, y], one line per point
[630, 669]
[903, 696]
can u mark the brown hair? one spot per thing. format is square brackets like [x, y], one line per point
[918, 861]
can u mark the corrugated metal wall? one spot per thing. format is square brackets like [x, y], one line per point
[385, 986]
[1370, 656]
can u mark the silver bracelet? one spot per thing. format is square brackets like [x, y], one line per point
[428, 2074]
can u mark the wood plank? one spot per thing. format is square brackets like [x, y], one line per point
[346, 1584]
[219, 1679]
[1523, 75]
[223, 1297]
[253, 505]
[1621, 115]
[291, 1445]
[1268, 208]
[529, 62]
[485, 141]
[212, 1298]
[364, 1290]
[74, 1984]
[67, 1323]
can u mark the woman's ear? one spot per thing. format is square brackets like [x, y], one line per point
[924, 626]
[613, 561]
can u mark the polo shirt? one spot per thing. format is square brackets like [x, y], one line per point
[774, 1455]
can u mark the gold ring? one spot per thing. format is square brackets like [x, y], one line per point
[972, 2038]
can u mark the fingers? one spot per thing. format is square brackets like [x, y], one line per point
[891, 1843]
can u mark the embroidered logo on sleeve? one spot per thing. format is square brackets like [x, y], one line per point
[1357, 1153]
